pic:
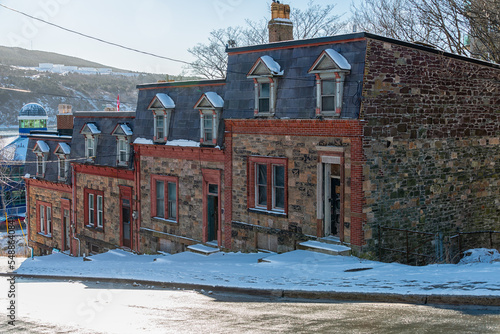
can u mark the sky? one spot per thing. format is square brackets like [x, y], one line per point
[164, 27]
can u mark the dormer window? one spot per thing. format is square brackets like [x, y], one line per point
[123, 133]
[330, 69]
[62, 151]
[161, 106]
[41, 151]
[265, 73]
[210, 106]
[91, 133]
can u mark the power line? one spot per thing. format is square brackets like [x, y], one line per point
[95, 38]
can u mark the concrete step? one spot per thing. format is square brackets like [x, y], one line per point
[331, 240]
[202, 249]
[325, 248]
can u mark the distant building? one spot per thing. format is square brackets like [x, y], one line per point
[32, 117]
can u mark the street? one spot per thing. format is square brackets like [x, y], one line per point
[46, 306]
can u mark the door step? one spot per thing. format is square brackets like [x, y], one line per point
[202, 249]
[325, 248]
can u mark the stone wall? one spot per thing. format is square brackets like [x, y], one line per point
[431, 141]
[159, 234]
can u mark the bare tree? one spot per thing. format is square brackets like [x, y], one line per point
[211, 57]
[464, 27]
[11, 182]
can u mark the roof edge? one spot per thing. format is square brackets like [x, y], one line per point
[187, 83]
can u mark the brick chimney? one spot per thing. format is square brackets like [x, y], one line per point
[65, 119]
[280, 26]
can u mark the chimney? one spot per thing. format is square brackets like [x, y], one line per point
[280, 26]
[65, 119]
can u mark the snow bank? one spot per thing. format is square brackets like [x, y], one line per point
[480, 255]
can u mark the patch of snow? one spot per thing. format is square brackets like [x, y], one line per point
[166, 101]
[341, 62]
[203, 249]
[183, 143]
[325, 246]
[93, 128]
[143, 141]
[126, 129]
[480, 255]
[44, 148]
[65, 148]
[215, 99]
[272, 65]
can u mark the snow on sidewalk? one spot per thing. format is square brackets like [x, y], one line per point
[297, 270]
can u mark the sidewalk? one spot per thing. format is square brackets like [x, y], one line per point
[297, 274]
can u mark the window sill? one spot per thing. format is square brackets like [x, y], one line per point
[163, 220]
[330, 114]
[45, 235]
[264, 114]
[267, 212]
[96, 229]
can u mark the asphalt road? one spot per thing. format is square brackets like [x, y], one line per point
[47, 306]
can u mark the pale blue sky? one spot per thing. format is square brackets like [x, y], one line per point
[164, 27]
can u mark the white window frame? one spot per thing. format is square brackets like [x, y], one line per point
[42, 219]
[215, 122]
[338, 78]
[91, 209]
[166, 113]
[273, 88]
[49, 220]
[41, 160]
[126, 142]
[100, 211]
[93, 146]
[62, 158]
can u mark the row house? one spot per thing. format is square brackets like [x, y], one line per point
[304, 139]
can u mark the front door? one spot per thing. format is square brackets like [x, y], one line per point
[332, 195]
[212, 212]
[126, 223]
[66, 223]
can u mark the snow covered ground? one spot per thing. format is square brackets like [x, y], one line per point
[297, 270]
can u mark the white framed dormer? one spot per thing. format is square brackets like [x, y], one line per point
[330, 69]
[91, 133]
[265, 73]
[123, 133]
[161, 106]
[41, 151]
[62, 151]
[210, 106]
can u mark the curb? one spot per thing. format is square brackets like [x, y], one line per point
[294, 294]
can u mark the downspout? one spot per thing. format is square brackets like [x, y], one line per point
[73, 192]
[137, 203]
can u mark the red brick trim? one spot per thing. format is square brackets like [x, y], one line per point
[47, 185]
[228, 189]
[211, 176]
[65, 205]
[297, 46]
[112, 172]
[177, 152]
[107, 117]
[298, 127]
[126, 193]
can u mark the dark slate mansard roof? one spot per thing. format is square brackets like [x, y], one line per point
[185, 120]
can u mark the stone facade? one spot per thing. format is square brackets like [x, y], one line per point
[99, 179]
[187, 166]
[55, 196]
[431, 141]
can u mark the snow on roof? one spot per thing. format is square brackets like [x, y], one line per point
[65, 148]
[215, 99]
[93, 128]
[126, 129]
[143, 141]
[166, 101]
[183, 142]
[44, 148]
[341, 62]
[272, 65]
[21, 149]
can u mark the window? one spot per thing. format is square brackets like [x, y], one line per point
[44, 212]
[41, 151]
[165, 195]
[330, 69]
[267, 184]
[91, 133]
[94, 208]
[123, 133]
[161, 106]
[62, 151]
[265, 73]
[210, 106]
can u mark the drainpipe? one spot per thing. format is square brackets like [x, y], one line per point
[73, 192]
[137, 201]
[74, 237]
[27, 217]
